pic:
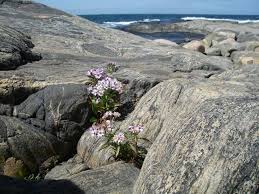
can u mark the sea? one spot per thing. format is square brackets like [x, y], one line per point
[120, 21]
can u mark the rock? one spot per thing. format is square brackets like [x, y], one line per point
[50, 122]
[247, 60]
[216, 37]
[15, 49]
[247, 36]
[47, 165]
[228, 46]
[4, 154]
[15, 168]
[5, 109]
[196, 46]
[63, 108]
[67, 169]
[114, 178]
[227, 34]
[166, 42]
[205, 138]
[213, 51]
[89, 149]
[29, 144]
[208, 143]
[245, 57]
[251, 46]
[71, 45]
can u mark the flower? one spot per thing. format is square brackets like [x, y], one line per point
[97, 130]
[136, 129]
[110, 114]
[116, 114]
[97, 73]
[108, 125]
[119, 138]
[107, 83]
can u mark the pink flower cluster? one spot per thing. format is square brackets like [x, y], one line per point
[110, 114]
[136, 129]
[97, 130]
[97, 73]
[104, 83]
[119, 138]
[105, 126]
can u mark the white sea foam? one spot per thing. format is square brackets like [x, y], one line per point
[124, 23]
[223, 19]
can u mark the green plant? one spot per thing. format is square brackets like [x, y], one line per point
[105, 94]
[33, 177]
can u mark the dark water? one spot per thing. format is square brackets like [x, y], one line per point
[122, 20]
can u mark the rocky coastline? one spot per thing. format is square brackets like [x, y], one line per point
[199, 103]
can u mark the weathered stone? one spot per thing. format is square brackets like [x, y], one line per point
[90, 150]
[67, 169]
[47, 165]
[251, 45]
[205, 137]
[213, 51]
[50, 122]
[71, 45]
[227, 34]
[15, 49]
[30, 144]
[15, 168]
[247, 60]
[114, 178]
[166, 42]
[245, 57]
[63, 108]
[228, 46]
[195, 45]
[4, 154]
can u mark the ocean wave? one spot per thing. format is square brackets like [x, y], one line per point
[223, 19]
[126, 23]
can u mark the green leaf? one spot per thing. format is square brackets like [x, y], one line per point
[104, 146]
[117, 152]
[133, 148]
[145, 139]
[93, 120]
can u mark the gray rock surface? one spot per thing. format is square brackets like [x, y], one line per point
[202, 123]
[15, 49]
[195, 45]
[67, 169]
[241, 32]
[240, 57]
[244, 37]
[213, 51]
[28, 143]
[90, 150]
[47, 123]
[205, 137]
[71, 45]
[115, 178]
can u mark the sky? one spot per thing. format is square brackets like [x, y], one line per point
[238, 7]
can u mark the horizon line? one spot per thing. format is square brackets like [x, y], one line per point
[167, 14]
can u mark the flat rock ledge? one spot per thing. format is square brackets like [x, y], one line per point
[115, 178]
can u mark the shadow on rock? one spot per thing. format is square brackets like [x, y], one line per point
[10, 185]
